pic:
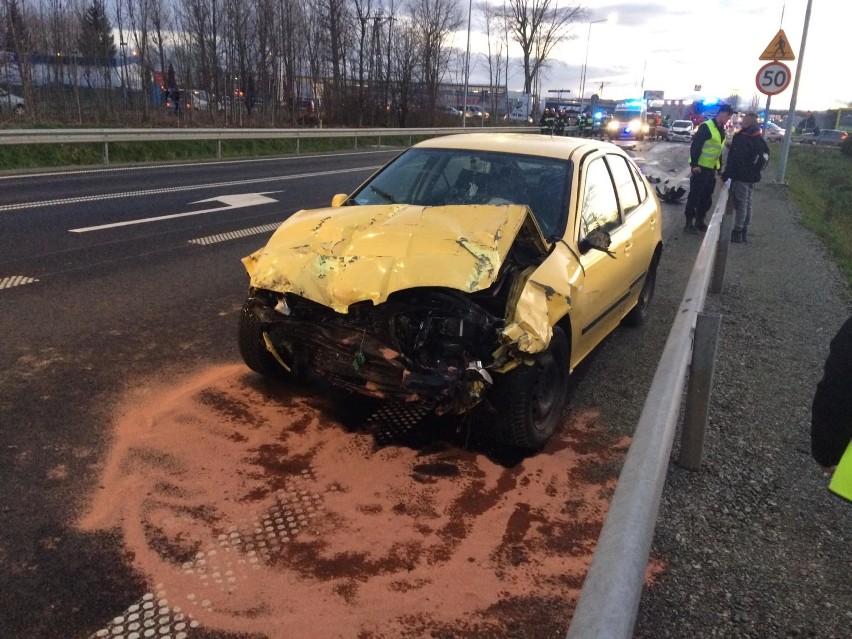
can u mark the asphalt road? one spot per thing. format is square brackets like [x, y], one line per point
[108, 277]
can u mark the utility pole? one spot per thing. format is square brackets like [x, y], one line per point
[791, 113]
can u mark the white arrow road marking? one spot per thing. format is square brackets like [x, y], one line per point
[237, 201]
[174, 189]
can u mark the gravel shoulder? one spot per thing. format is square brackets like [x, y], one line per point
[754, 545]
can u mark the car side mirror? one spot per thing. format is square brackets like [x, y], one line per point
[338, 200]
[597, 239]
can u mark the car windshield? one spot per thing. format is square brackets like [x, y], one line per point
[440, 177]
[682, 124]
[771, 126]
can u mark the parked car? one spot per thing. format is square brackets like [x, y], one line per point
[11, 103]
[825, 137]
[473, 272]
[773, 133]
[448, 110]
[474, 111]
[681, 131]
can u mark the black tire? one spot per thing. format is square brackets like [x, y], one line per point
[529, 400]
[638, 315]
[253, 348]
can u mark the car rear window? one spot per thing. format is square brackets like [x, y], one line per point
[628, 197]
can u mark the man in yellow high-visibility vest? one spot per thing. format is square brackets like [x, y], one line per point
[705, 158]
[831, 413]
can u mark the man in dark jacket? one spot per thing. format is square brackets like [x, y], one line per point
[705, 159]
[747, 157]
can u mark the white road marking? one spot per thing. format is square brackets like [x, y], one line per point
[233, 235]
[174, 189]
[16, 280]
[237, 201]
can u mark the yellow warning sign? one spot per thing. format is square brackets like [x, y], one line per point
[779, 48]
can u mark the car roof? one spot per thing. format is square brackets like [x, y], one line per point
[522, 143]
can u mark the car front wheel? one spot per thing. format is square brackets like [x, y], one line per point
[529, 400]
[253, 348]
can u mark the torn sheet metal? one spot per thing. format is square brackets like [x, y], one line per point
[338, 257]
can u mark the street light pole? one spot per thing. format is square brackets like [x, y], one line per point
[791, 113]
[466, 66]
[609, 18]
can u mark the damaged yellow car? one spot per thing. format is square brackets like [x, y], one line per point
[473, 268]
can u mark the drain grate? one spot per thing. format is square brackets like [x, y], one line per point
[395, 420]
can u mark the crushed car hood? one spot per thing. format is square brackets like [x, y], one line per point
[341, 256]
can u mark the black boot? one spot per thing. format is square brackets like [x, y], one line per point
[744, 240]
[700, 225]
[736, 236]
[689, 228]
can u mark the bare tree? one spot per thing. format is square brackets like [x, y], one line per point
[404, 67]
[18, 40]
[538, 26]
[434, 20]
[496, 29]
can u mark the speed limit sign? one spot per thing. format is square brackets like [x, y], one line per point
[773, 78]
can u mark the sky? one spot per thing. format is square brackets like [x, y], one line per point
[668, 47]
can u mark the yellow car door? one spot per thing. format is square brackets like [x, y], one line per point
[639, 212]
[607, 273]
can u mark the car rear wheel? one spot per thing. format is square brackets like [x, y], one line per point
[253, 347]
[529, 400]
[639, 313]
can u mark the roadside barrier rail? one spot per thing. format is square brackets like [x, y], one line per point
[107, 136]
[609, 599]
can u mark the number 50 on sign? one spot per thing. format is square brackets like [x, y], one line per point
[773, 78]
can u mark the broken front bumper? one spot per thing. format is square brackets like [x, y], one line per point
[423, 346]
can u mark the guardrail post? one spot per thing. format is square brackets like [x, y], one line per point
[106, 152]
[699, 389]
[219, 149]
[721, 262]
[298, 147]
[356, 141]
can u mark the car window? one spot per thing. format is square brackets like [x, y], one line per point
[628, 197]
[682, 124]
[599, 209]
[640, 183]
[442, 177]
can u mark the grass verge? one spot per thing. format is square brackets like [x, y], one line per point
[820, 182]
[32, 156]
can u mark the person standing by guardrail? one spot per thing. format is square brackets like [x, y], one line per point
[747, 157]
[705, 158]
[831, 414]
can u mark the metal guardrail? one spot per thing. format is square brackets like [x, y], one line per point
[107, 136]
[609, 599]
